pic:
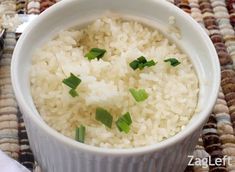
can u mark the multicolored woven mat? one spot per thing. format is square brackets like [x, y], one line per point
[217, 140]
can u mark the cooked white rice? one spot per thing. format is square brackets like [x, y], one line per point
[173, 91]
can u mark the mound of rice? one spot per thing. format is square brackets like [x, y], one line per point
[173, 91]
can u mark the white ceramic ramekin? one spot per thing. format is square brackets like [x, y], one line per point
[57, 153]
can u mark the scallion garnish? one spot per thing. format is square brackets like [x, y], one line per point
[104, 117]
[80, 134]
[123, 123]
[73, 93]
[134, 64]
[72, 82]
[150, 63]
[122, 126]
[127, 118]
[139, 95]
[141, 62]
[173, 61]
[142, 59]
[95, 53]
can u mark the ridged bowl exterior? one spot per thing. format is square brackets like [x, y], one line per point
[55, 152]
[54, 156]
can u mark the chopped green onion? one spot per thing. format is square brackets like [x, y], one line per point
[72, 81]
[141, 62]
[122, 126]
[104, 117]
[80, 134]
[141, 66]
[123, 123]
[95, 53]
[173, 61]
[127, 118]
[150, 63]
[139, 95]
[142, 59]
[134, 64]
[73, 93]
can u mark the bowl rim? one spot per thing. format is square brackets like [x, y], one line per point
[115, 151]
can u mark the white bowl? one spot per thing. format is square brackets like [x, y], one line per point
[57, 153]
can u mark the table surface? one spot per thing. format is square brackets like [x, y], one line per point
[217, 140]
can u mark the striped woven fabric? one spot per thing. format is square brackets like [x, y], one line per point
[217, 139]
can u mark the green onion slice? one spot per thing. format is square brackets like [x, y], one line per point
[123, 123]
[139, 95]
[104, 117]
[95, 53]
[134, 64]
[141, 62]
[173, 61]
[142, 59]
[80, 134]
[127, 118]
[150, 63]
[122, 126]
[72, 81]
[73, 93]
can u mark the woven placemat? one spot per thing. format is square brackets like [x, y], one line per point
[217, 139]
